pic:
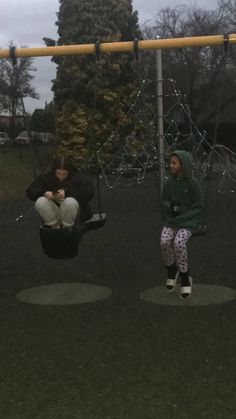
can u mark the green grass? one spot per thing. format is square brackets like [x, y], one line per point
[18, 167]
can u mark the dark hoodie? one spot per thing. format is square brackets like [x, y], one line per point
[76, 185]
[182, 202]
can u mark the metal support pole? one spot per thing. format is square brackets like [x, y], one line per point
[160, 129]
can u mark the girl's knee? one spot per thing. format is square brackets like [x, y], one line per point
[165, 242]
[179, 243]
[41, 202]
[70, 203]
[181, 240]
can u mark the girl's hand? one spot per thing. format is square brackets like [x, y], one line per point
[49, 195]
[61, 194]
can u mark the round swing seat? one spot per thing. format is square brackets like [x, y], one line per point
[63, 243]
[201, 232]
[97, 221]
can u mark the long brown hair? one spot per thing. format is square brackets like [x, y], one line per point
[64, 163]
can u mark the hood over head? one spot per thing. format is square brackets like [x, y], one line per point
[186, 161]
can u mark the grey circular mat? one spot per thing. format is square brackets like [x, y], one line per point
[64, 294]
[202, 295]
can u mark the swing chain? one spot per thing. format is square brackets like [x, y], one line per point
[136, 48]
[98, 50]
[12, 55]
[226, 43]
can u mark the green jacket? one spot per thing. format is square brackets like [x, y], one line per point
[182, 201]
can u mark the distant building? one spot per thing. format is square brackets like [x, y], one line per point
[5, 121]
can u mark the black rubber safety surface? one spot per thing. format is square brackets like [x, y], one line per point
[121, 357]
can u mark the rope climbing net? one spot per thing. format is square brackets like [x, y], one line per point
[211, 160]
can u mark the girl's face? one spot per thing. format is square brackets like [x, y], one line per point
[61, 174]
[175, 166]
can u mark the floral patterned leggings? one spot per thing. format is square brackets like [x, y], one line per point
[174, 247]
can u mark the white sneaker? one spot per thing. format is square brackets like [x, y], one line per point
[171, 283]
[186, 292]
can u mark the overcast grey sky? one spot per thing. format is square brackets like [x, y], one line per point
[26, 22]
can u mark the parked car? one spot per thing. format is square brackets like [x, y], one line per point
[42, 137]
[47, 137]
[22, 138]
[35, 136]
[4, 138]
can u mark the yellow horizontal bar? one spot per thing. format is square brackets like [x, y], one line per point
[120, 46]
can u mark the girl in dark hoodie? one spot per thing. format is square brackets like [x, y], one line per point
[182, 206]
[61, 194]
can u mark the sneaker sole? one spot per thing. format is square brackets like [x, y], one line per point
[186, 290]
[172, 283]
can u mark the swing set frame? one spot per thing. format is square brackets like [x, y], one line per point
[131, 46]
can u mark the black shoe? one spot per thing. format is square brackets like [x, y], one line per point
[172, 273]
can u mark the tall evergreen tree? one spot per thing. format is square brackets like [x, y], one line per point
[82, 82]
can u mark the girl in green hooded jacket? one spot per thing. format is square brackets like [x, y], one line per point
[182, 206]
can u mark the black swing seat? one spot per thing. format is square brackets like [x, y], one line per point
[202, 231]
[63, 243]
[97, 221]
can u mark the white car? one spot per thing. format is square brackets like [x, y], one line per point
[46, 137]
[4, 138]
[22, 138]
